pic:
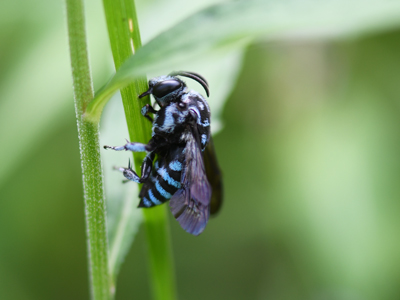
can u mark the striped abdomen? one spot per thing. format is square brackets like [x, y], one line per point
[165, 180]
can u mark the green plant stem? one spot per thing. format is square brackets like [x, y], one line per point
[125, 40]
[95, 210]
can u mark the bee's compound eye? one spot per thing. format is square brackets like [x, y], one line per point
[163, 88]
[182, 105]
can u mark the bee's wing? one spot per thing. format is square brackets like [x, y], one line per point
[190, 205]
[214, 176]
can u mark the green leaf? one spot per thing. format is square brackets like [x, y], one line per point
[236, 24]
[124, 35]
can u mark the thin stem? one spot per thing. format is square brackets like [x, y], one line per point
[125, 40]
[95, 210]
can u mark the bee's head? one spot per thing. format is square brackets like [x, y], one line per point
[168, 88]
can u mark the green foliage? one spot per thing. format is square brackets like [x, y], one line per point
[309, 152]
[236, 24]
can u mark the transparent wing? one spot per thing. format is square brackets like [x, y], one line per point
[190, 205]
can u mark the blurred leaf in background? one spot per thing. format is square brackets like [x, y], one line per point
[309, 151]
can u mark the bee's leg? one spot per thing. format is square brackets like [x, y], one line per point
[147, 167]
[146, 110]
[130, 174]
[134, 147]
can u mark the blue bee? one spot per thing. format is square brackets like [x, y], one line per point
[185, 168]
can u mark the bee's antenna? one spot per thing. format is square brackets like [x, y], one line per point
[200, 79]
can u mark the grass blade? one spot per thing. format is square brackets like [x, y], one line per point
[90, 156]
[125, 40]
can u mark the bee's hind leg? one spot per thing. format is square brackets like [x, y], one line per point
[147, 167]
[130, 174]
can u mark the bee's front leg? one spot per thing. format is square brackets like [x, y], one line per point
[146, 110]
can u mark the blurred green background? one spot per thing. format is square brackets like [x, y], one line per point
[309, 150]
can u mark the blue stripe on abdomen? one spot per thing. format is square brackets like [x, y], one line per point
[146, 202]
[162, 192]
[153, 198]
[166, 186]
[164, 174]
[175, 165]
